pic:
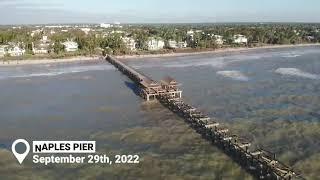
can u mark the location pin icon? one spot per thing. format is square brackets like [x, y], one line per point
[22, 156]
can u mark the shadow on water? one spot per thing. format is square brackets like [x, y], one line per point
[134, 87]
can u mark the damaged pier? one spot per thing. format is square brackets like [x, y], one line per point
[260, 163]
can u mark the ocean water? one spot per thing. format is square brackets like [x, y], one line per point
[97, 102]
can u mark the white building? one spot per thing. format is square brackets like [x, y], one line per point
[44, 39]
[190, 32]
[3, 50]
[310, 38]
[117, 32]
[70, 46]
[130, 43]
[35, 32]
[175, 44]
[86, 30]
[240, 39]
[219, 39]
[172, 44]
[16, 51]
[190, 35]
[41, 47]
[104, 25]
[155, 44]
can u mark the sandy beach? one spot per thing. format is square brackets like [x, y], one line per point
[217, 51]
[80, 59]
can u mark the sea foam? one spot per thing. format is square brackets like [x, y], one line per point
[235, 75]
[215, 62]
[219, 61]
[291, 55]
[297, 73]
[54, 71]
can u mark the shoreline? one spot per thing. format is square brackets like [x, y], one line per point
[216, 51]
[80, 59]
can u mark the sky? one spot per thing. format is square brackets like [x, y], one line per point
[157, 11]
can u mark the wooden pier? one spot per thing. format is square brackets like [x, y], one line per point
[149, 89]
[260, 163]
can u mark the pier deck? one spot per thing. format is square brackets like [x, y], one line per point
[260, 163]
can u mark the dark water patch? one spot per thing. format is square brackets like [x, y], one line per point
[134, 87]
[3, 146]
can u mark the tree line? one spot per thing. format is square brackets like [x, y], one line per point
[104, 40]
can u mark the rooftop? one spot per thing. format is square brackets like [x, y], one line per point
[149, 83]
[169, 81]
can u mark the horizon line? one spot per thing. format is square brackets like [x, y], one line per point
[153, 23]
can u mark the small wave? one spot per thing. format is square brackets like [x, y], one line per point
[297, 73]
[36, 75]
[291, 55]
[221, 60]
[57, 72]
[216, 62]
[235, 75]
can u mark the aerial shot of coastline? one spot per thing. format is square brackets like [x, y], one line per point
[168, 90]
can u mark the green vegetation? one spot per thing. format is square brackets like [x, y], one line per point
[99, 40]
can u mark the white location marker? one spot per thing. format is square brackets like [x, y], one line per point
[22, 156]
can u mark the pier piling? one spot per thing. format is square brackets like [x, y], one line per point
[260, 163]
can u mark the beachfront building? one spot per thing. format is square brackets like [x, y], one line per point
[70, 46]
[15, 50]
[174, 44]
[41, 47]
[130, 43]
[310, 38]
[155, 44]
[3, 50]
[240, 39]
[219, 39]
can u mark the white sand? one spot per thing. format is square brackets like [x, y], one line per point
[83, 58]
[46, 61]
